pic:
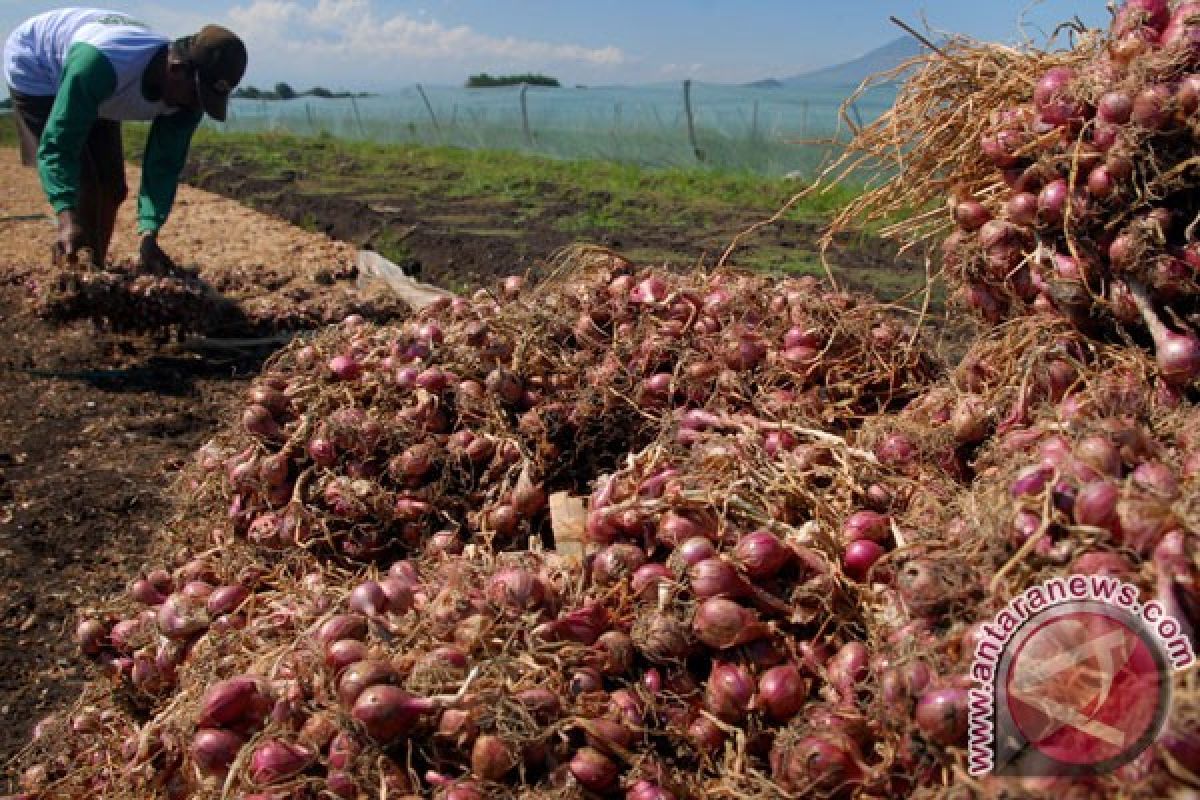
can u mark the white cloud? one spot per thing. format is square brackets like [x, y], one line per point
[681, 70]
[351, 30]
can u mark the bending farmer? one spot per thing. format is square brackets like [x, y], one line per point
[74, 75]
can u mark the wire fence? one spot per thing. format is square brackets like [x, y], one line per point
[766, 131]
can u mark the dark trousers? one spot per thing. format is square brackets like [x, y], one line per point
[102, 186]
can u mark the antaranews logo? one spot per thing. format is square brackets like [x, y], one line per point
[1073, 677]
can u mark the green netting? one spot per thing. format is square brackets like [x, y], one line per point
[765, 131]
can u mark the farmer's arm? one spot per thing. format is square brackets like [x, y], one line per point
[166, 152]
[88, 79]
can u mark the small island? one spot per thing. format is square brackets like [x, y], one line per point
[485, 81]
[283, 91]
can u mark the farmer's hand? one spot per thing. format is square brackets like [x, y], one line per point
[151, 258]
[71, 237]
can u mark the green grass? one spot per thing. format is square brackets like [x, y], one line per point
[629, 192]
[691, 212]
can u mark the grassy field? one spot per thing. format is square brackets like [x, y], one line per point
[455, 172]
[656, 215]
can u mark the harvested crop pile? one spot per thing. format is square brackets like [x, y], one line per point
[465, 418]
[1065, 179]
[797, 529]
[258, 277]
[123, 300]
[779, 594]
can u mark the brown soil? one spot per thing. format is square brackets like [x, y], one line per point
[93, 422]
[514, 239]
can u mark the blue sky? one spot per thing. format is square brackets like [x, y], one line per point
[379, 45]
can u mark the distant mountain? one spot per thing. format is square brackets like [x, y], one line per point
[851, 73]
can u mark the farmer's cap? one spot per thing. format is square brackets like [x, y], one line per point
[219, 58]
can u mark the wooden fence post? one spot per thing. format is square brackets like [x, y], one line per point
[429, 108]
[691, 128]
[362, 131]
[525, 116]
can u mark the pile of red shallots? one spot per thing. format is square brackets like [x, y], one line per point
[1090, 208]
[122, 299]
[795, 521]
[793, 529]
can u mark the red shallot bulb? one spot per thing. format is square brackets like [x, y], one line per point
[782, 692]
[941, 715]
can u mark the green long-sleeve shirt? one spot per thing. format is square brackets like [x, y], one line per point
[89, 79]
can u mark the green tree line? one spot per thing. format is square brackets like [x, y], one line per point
[483, 80]
[283, 91]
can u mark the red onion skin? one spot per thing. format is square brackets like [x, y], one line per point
[646, 790]
[1052, 202]
[1096, 505]
[388, 713]
[826, 763]
[896, 449]
[941, 716]
[1022, 208]
[971, 215]
[609, 735]
[1114, 108]
[345, 367]
[616, 562]
[226, 599]
[1151, 107]
[1156, 478]
[583, 625]
[859, 556]
[1102, 563]
[368, 598]
[231, 701]
[360, 676]
[848, 668]
[344, 652]
[1052, 99]
[214, 750]
[706, 736]
[342, 784]
[542, 704]
[342, 626]
[693, 551]
[1177, 354]
[585, 681]
[594, 770]
[343, 750]
[646, 580]
[761, 554]
[867, 525]
[716, 577]
[274, 761]
[257, 421]
[90, 636]
[729, 692]
[721, 623]
[782, 692]
[491, 758]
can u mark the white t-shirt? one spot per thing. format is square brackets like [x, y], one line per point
[36, 51]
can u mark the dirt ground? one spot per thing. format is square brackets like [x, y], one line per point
[463, 242]
[92, 423]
